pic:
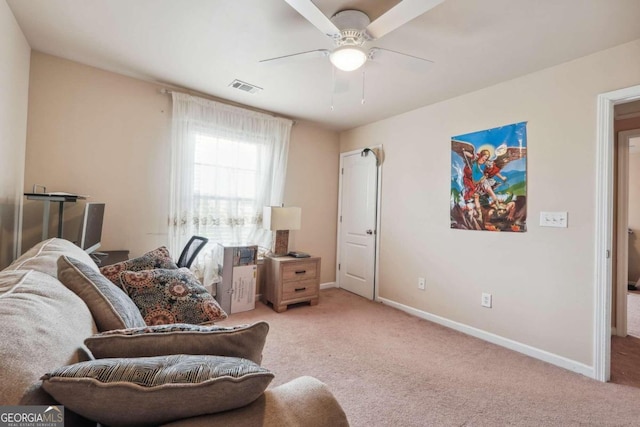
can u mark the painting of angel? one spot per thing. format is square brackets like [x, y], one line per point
[489, 179]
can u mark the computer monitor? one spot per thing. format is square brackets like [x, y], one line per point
[91, 229]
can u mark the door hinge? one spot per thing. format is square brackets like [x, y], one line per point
[608, 253]
[342, 171]
[340, 218]
[338, 266]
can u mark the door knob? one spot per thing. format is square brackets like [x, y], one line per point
[369, 231]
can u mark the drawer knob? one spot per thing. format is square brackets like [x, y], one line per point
[300, 289]
[301, 271]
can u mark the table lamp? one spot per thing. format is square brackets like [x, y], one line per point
[281, 220]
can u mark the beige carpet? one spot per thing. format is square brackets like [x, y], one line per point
[625, 361]
[388, 368]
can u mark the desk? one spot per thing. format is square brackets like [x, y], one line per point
[47, 198]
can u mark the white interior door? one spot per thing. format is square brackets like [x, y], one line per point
[357, 223]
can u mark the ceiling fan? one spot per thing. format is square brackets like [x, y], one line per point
[351, 29]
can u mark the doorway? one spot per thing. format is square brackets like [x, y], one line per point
[604, 228]
[625, 340]
[631, 140]
[627, 217]
[358, 221]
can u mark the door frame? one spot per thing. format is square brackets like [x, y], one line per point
[604, 227]
[376, 260]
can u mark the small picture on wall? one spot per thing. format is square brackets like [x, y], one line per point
[489, 179]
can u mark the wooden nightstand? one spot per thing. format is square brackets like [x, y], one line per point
[291, 280]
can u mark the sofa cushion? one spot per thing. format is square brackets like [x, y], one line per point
[304, 401]
[110, 306]
[43, 326]
[43, 257]
[157, 258]
[154, 390]
[171, 296]
[246, 341]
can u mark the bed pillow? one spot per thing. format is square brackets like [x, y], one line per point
[166, 296]
[245, 341]
[156, 390]
[110, 307]
[157, 258]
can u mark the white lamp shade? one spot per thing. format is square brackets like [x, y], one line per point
[277, 218]
[348, 58]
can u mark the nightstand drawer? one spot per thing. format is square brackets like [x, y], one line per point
[299, 271]
[299, 289]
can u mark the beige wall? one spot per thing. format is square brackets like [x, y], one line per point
[312, 184]
[14, 87]
[626, 124]
[106, 135]
[542, 281]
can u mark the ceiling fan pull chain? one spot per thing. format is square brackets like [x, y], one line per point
[362, 101]
[333, 84]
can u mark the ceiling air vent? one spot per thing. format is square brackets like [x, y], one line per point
[244, 86]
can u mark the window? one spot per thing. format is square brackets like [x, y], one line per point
[225, 185]
[227, 163]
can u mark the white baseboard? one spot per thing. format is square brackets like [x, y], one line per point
[327, 285]
[536, 353]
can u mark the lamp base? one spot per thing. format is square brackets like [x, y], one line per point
[280, 243]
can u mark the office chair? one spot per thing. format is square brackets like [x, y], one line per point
[191, 251]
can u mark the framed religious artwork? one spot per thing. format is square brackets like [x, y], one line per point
[489, 179]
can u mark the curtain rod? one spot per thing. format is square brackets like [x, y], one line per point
[166, 91]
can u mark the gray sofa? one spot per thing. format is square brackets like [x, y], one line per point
[44, 326]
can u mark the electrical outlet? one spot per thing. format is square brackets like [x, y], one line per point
[486, 300]
[421, 283]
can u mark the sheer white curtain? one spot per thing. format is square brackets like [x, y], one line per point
[227, 163]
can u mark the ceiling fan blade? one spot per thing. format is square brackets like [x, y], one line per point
[399, 15]
[312, 14]
[413, 63]
[311, 54]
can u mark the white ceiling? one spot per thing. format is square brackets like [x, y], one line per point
[203, 45]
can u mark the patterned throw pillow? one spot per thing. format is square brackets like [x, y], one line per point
[171, 296]
[156, 390]
[157, 258]
[245, 341]
[110, 307]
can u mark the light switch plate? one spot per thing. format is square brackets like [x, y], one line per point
[553, 219]
[486, 300]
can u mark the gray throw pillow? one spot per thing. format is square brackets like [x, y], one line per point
[110, 306]
[156, 390]
[166, 296]
[245, 341]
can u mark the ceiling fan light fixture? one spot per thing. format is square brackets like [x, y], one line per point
[348, 58]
